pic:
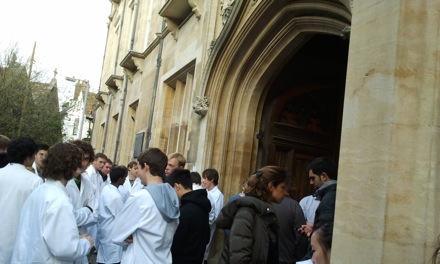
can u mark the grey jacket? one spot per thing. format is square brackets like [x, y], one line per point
[253, 235]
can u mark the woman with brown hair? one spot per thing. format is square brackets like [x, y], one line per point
[252, 221]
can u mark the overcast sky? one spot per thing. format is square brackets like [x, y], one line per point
[70, 36]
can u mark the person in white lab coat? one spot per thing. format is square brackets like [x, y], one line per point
[81, 191]
[132, 182]
[150, 216]
[82, 194]
[39, 158]
[110, 205]
[104, 173]
[93, 171]
[16, 184]
[95, 178]
[131, 185]
[47, 231]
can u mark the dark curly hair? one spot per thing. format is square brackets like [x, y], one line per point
[21, 148]
[86, 148]
[258, 183]
[63, 159]
[118, 172]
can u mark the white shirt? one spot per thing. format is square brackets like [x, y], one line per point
[152, 235]
[16, 184]
[219, 199]
[309, 205]
[110, 205]
[47, 231]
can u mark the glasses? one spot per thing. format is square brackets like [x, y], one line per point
[86, 158]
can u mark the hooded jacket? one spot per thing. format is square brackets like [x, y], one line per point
[192, 234]
[151, 216]
[253, 231]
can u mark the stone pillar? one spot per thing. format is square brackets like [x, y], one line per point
[387, 208]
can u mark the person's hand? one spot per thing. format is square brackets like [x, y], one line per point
[89, 238]
[306, 229]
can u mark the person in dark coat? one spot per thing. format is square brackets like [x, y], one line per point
[192, 234]
[292, 245]
[323, 176]
[252, 220]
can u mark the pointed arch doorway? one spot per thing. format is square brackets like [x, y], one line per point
[302, 113]
[298, 55]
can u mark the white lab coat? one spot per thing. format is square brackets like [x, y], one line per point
[95, 178]
[152, 235]
[80, 199]
[110, 205]
[126, 189]
[47, 231]
[16, 184]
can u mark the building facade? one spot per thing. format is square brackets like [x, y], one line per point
[73, 110]
[239, 84]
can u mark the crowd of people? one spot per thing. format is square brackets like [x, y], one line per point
[67, 204]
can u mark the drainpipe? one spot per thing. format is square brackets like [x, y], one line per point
[156, 81]
[125, 82]
[114, 72]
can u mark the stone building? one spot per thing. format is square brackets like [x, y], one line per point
[238, 84]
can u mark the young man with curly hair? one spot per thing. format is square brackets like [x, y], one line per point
[47, 231]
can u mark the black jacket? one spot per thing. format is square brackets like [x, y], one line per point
[326, 209]
[192, 234]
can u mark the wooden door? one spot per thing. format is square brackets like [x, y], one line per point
[304, 123]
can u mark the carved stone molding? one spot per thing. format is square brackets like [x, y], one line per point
[201, 105]
[211, 47]
[226, 9]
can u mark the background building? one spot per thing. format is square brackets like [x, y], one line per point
[236, 85]
[73, 109]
